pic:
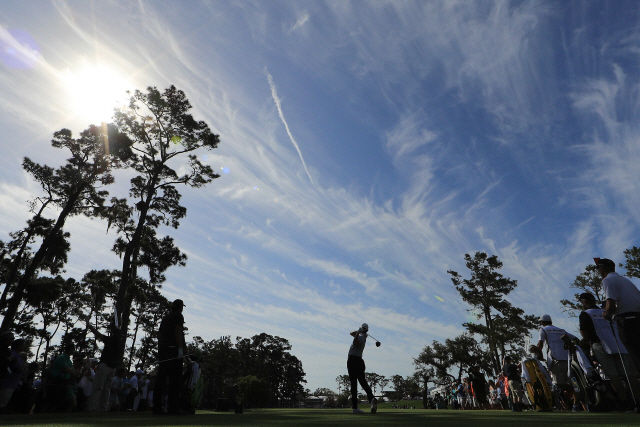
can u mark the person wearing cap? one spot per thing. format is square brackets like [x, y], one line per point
[356, 368]
[606, 347]
[557, 356]
[85, 385]
[171, 345]
[622, 299]
[136, 383]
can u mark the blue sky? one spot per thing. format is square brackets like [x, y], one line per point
[366, 147]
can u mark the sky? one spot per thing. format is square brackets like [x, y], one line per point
[366, 147]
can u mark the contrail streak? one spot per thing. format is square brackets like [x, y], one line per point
[276, 99]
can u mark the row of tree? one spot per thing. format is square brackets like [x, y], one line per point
[254, 372]
[149, 141]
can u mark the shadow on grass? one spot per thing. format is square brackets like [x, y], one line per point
[330, 417]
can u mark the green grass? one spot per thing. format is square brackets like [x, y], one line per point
[332, 418]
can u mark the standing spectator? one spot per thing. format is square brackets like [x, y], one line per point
[502, 386]
[611, 355]
[125, 403]
[462, 395]
[479, 387]
[23, 399]
[623, 302]
[510, 371]
[150, 385]
[6, 358]
[61, 388]
[99, 399]
[117, 384]
[87, 377]
[171, 344]
[144, 393]
[12, 373]
[136, 383]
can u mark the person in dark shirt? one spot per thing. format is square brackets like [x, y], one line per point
[479, 386]
[6, 360]
[101, 389]
[171, 345]
[510, 370]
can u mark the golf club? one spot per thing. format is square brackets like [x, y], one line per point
[173, 358]
[615, 336]
[378, 343]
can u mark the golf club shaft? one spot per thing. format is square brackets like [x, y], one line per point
[169, 360]
[372, 338]
[615, 337]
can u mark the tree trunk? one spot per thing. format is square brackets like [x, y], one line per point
[129, 260]
[135, 336]
[15, 266]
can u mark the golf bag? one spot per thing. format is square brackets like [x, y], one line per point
[538, 384]
[588, 387]
[192, 384]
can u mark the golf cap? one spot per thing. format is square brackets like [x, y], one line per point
[364, 327]
[605, 262]
[545, 318]
[587, 296]
[177, 303]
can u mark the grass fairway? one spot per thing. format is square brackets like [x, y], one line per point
[332, 418]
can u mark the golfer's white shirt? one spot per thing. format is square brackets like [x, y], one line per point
[622, 291]
[357, 346]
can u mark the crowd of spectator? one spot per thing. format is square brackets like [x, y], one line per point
[66, 384]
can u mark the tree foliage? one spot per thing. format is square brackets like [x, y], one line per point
[252, 366]
[587, 281]
[163, 136]
[504, 326]
[74, 188]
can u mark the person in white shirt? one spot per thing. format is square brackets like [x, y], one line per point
[607, 349]
[622, 305]
[557, 356]
[137, 380]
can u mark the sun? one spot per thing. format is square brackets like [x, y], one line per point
[94, 90]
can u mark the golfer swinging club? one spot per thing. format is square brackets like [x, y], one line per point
[356, 367]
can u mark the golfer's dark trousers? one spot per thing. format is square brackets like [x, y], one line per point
[170, 370]
[629, 329]
[356, 367]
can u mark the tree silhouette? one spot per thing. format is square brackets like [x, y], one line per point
[74, 188]
[587, 281]
[485, 291]
[163, 136]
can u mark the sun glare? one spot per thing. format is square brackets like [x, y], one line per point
[93, 91]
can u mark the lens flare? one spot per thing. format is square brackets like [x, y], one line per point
[438, 298]
[225, 170]
[18, 49]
